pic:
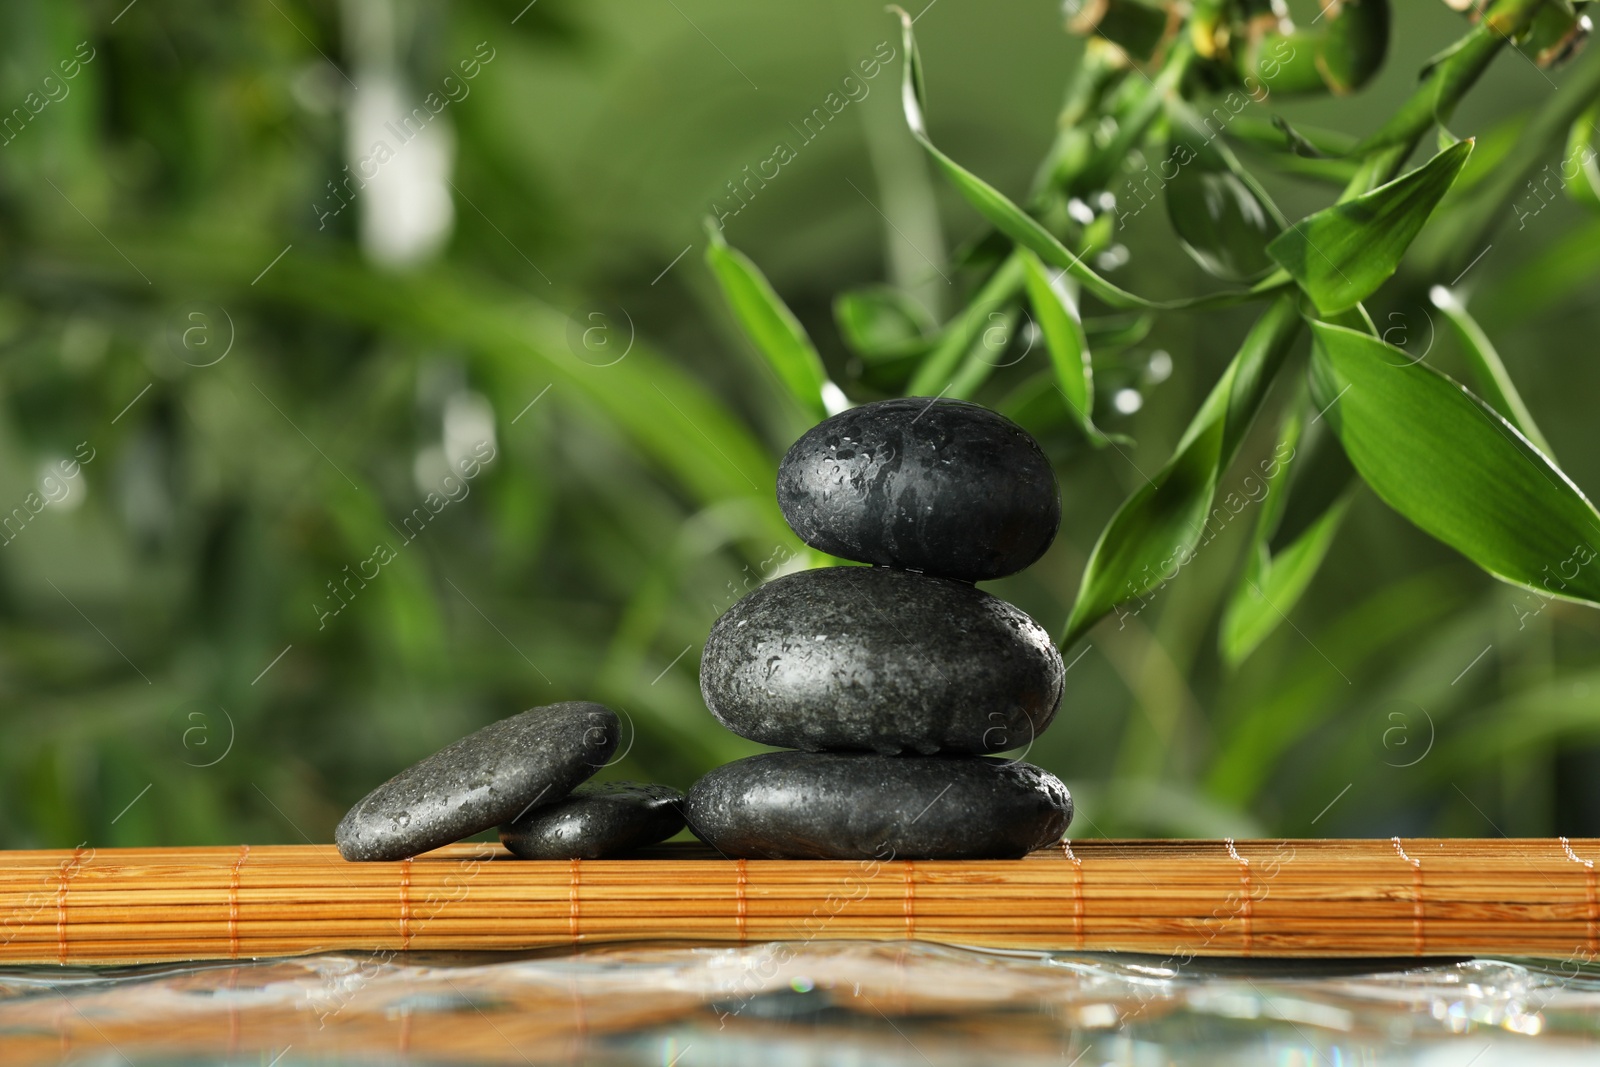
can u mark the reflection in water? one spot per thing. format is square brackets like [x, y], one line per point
[820, 1003]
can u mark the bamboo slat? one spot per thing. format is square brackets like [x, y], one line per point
[1417, 897]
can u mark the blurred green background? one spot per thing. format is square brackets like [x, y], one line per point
[268, 584]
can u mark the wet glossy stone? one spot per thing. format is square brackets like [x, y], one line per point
[870, 658]
[941, 486]
[596, 821]
[811, 805]
[484, 779]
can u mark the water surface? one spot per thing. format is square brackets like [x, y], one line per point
[801, 1004]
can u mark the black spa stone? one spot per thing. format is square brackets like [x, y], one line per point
[477, 783]
[824, 805]
[596, 821]
[875, 659]
[940, 486]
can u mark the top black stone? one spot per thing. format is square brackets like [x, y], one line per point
[485, 779]
[940, 486]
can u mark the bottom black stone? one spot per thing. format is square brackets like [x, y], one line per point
[596, 821]
[827, 805]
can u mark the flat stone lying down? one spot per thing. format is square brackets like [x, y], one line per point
[825, 805]
[596, 821]
[484, 779]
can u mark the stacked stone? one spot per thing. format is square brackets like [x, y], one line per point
[892, 681]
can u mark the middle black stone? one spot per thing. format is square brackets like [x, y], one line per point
[867, 658]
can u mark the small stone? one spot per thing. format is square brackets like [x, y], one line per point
[870, 658]
[940, 486]
[484, 779]
[596, 821]
[808, 805]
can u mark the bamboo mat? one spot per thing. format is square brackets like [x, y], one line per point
[1412, 897]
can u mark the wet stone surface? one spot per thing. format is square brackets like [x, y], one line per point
[869, 658]
[596, 821]
[485, 779]
[940, 486]
[805, 805]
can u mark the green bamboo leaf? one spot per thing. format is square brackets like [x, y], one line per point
[1248, 619]
[1108, 333]
[1488, 372]
[987, 352]
[1035, 405]
[768, 322]
[1156, 528]
[1308, 141]
[1154, 534]
[1223, 219]
[1274, 585]
[1303, 694]
[1580, 147]
[966, 332]
[1221, 223]
[1342, 254]
[1309, 484]
[1056, 311]
[1309, 153]
[880, 323]
[1454, 467]
[1016, 224]
[1520, 184]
